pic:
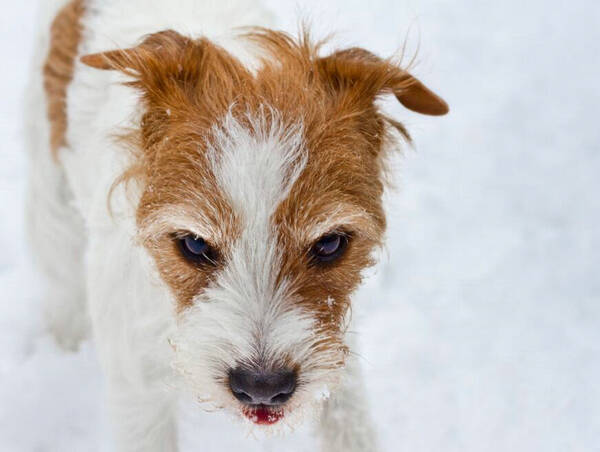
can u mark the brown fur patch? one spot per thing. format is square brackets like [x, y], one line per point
[65, 35]
[188, 86]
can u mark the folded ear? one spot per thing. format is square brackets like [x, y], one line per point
[347, 68]
[164, 46]
[113, 59]
[170, 68]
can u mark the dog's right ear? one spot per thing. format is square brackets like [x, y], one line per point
[169, 67]
[164, 46]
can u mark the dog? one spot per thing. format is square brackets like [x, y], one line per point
[203, 203]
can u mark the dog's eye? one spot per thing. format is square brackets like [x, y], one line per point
[329, 247]
[195, 249]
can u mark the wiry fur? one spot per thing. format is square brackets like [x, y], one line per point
[255, 168]
[260, 149]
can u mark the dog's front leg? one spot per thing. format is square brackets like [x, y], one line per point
[131, 319]
[346, 424]
[143, 420]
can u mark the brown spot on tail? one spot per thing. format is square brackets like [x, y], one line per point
[65, 35]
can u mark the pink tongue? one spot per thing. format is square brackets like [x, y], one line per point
[262, 415]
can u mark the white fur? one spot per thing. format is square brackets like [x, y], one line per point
[128, 306]
[246, 316]
[340, 217]
[346, 420]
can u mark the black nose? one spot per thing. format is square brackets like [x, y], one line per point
[262, 387]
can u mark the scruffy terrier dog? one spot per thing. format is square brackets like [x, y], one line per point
[205, 205]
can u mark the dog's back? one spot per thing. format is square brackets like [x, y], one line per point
[55, 227]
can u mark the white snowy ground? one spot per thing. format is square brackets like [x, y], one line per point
[481, 329]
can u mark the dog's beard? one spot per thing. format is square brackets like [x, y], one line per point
[214, 337]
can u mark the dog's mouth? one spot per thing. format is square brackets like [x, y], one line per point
[263, 414]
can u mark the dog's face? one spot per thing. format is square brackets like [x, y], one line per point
[261, 206]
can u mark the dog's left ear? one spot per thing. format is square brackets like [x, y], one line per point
[361, 70]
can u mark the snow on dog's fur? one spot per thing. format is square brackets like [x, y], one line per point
[260, 160]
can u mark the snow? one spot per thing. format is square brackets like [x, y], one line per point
[481, 328]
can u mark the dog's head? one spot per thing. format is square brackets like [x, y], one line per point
[261, 205]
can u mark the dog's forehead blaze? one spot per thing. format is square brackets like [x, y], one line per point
[341, 140]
